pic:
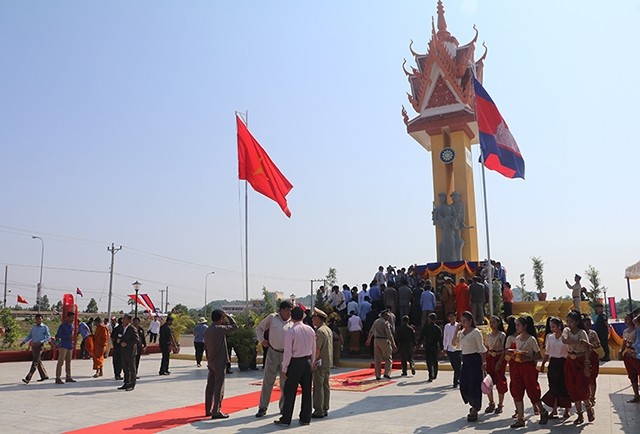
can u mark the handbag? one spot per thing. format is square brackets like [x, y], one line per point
[486, 385]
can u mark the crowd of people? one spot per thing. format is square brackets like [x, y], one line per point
[123, 337]
[397, 310]
[393, 313]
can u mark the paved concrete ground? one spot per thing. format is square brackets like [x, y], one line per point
[408, 405]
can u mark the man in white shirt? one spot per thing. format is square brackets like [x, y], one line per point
[154, 329]
[363, 293]
[336, 298]
[379, 277]
[277, 324]
[450, 330]
[352, 306]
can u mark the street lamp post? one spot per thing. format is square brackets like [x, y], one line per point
[136, 287]
[205, 293]
[39, 290]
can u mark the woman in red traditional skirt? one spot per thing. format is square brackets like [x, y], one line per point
[524, 374]
[577, 368]
[496, 365]
[628, 356]
[556, 354]
[510, 343]
[596, 353]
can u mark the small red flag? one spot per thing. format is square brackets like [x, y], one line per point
[22, 300]
[79, 292]
[255, 166]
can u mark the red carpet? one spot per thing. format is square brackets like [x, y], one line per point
[172, 418]
[164, 420]
[355, 381]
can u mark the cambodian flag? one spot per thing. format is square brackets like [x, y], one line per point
[500, 151]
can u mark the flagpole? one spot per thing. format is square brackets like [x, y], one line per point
[486, 223]
[246, 235]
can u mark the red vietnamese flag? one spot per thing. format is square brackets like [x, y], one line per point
[22, 300]
[255, 166]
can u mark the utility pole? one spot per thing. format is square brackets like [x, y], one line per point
[113, 250]
[313, 280]
[166, 300]
[162, 301]
[6, 271]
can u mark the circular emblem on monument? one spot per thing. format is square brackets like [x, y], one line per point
[447, 155]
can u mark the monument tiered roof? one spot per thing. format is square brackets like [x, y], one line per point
[441, 85]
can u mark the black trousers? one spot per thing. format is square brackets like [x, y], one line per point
[129, 368]
[153, 337]
[455, 358]
[298, 373]
[406, 355]
[199, 351]
[164, 364]
[83, 349]
[508, 309]
[432, 362]
[117, 360]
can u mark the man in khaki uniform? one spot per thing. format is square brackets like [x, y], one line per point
[277, 324]
[324, 356]
[383, 343]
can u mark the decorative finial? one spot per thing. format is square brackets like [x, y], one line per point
[442, 23]
[405, 71]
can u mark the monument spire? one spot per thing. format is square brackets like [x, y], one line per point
[442, 23]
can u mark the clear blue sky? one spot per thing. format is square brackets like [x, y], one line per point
[118, 126]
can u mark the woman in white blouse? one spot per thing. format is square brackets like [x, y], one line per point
[474, 366]
[556, 354]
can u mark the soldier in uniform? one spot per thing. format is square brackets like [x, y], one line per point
[383, 343]
[324, 356]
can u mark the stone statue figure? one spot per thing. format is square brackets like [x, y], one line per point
[458, 212]
[443, 219]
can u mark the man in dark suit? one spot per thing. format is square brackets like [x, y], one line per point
[166, 343]
[116, 334]
[215, 344]
[128, 344]
[142, 343]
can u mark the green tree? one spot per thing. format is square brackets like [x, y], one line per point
[269, 305]
[92, 307]
[331, 279]
[538, 268]
[58, 306]
[10, 326]
[594, 292]
[181, 309]
[522, 284]
[622, 306]
[44, 304]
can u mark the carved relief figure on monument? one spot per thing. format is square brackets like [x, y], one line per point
[443, 219]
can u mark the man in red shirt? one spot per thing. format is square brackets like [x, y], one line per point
[507, 299]
[463, 299]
